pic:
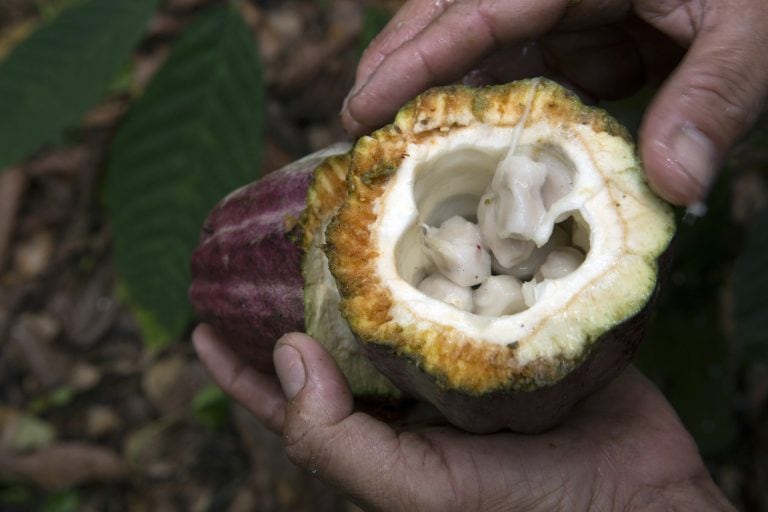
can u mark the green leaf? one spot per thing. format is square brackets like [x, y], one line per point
[67, 500]
[211, 407]
[60, 396]
[375, 19]
[750, 290]
[62, 69]
[51, 8]
[16, 495]
[32, 433]
[194, 136]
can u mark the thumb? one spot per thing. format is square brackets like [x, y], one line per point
[322, 433]
[712, 99]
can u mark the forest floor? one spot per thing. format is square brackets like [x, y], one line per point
[91, 418]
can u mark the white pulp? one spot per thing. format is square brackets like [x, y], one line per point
[499, 295]
[501, 250]
[514, 200]
[561, 262]
[457, 250]
[441, 288]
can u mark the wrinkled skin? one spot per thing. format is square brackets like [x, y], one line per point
[706, 53]
[623, 448]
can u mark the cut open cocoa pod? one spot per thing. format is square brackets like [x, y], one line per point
[492, 251]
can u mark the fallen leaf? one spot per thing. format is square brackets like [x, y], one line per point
[101, 420]
[31, 347]
[21, 432]
[162, 448]
[64, 161]
[171, 384]
[31, 433]
[13, 35]
[33, 254]
[13, 182]
[84, 376]
[86, 308]
[65, 464]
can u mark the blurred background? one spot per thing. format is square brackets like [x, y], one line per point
[121, 123]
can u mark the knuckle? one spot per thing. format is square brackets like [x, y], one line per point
[727, 92]
[299, 446]
[681, 20]
[311, 446]
[274, 418]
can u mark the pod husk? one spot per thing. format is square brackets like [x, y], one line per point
[480, 386]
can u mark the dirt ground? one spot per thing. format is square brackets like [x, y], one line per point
[92, 419]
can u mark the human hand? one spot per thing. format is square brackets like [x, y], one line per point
[606, 49]
[622, 448]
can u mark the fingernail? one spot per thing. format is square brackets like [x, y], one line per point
[358, 86]
[290, 370]
[345, 103]
[351, 94]
[696, 156]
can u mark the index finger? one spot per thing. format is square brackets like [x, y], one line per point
[408, 21]
[448, 46]
[256, 391]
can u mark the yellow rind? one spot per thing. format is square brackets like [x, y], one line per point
[325, 196]
[322, 319]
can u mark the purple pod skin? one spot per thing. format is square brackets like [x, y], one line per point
[246, 270]
[257, 272]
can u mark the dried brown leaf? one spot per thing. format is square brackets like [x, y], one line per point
[65, 464]
[86, 309]
[32, 349]
[13, 182]
[66, 161]
[171, 384]
[32, 255]
[101, 420]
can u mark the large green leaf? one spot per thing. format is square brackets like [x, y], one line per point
[194, 136]
[62, 69]
[374, 20]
